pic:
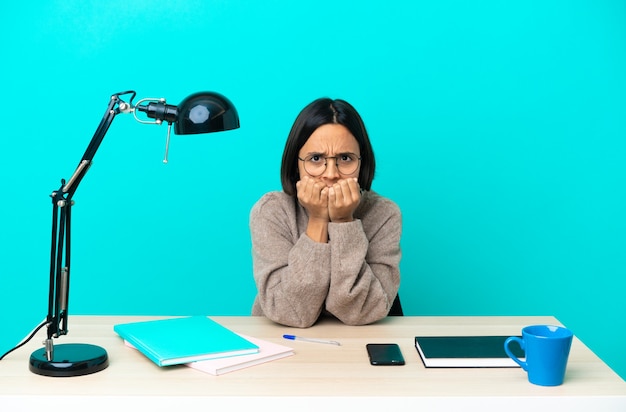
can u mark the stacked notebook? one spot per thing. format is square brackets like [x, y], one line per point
[268, 351]
[199, 342]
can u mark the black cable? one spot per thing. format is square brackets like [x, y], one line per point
[25, 341]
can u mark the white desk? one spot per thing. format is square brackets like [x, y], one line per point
[317, 378]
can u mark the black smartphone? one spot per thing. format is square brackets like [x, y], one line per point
[384, 354]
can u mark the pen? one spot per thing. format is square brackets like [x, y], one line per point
[328, 342]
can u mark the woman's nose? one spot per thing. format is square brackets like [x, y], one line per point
[331, 172]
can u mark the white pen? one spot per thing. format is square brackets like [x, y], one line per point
[328, 342]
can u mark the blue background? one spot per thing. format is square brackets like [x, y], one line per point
[499, 128]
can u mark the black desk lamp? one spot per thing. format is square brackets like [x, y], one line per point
[204, 112]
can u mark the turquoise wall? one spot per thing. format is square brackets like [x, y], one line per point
[499, 128]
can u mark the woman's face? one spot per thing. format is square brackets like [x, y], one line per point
[337, 144]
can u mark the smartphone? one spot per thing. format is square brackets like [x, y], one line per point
[384, 354]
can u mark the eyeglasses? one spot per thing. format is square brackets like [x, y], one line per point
[315, 164]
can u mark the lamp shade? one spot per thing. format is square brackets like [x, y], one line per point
[206, 112]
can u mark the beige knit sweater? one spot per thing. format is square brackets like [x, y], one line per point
[354, 277]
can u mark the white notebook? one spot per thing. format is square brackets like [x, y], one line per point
[268, 351]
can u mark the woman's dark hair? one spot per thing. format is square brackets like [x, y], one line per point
[318, 113]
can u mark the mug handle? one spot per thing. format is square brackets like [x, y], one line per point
[524, 365]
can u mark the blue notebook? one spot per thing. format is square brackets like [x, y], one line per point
[182, 340]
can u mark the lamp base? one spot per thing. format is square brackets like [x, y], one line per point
[69, 359]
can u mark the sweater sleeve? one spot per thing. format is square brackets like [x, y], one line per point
[365, 260]
[291, 271]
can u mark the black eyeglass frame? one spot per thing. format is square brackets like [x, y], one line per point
[358, 158]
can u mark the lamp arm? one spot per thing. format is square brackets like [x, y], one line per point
[115, 107]
[60, 249]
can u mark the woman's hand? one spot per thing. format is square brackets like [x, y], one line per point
[343, 199]
[336, 203]
[313, 196]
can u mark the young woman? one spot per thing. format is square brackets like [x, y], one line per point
[326, 245]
